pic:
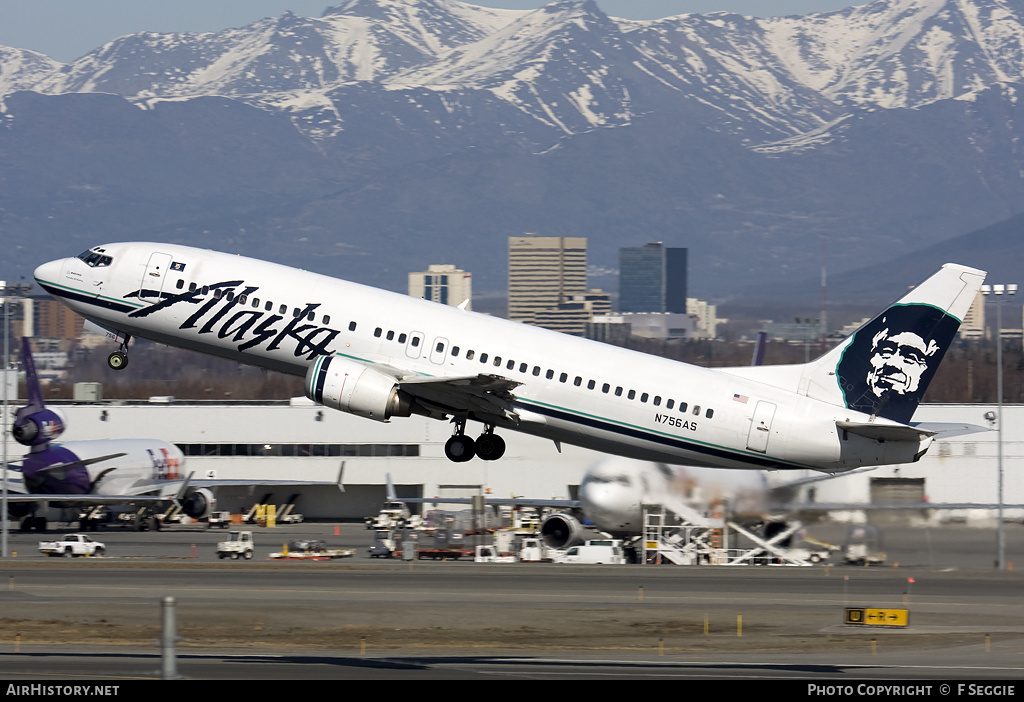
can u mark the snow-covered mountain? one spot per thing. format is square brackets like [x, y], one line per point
[567, 65]
[750, 138]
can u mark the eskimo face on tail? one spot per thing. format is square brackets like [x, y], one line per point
[889, 362]
[898, 362]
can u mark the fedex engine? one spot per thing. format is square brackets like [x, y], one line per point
[352, 387]
[198, 503]
[37, 428]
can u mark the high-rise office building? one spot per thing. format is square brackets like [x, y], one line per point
[543, 273]
[444, 283]
[652, 278]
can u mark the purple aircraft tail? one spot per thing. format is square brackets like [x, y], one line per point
[34, 425]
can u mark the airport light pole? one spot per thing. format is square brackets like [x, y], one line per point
[3, 504]
[999, 292]
[7, 291]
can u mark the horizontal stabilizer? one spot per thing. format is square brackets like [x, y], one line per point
[947, 430]
[885, 432]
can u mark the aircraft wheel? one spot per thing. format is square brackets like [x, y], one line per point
[459, 448]
[117, 360]
[490, 447]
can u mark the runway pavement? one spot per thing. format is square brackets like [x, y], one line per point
[362, 618]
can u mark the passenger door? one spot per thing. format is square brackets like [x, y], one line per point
[761, 427]
[155, 276]
[437, 351]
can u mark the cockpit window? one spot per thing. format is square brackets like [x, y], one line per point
[95, 260]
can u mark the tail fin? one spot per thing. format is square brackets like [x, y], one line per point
[757, 358]
[35, 394]
[884, 368]
[34, 425]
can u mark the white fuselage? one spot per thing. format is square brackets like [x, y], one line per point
[571, 389]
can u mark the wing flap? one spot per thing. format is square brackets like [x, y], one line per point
[484, 394]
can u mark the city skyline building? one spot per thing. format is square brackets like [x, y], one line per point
[652, 278]
[444, 284]
[543, 273]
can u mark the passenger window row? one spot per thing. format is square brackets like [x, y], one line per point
[495, 361]
[400, 337]
[577, 381]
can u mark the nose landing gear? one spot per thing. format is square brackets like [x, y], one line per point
[119, 359]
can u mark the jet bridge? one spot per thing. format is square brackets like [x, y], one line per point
[694, 539]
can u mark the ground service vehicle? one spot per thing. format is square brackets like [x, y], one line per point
[238, 544]
[597, 551]
[218, 519]
[72, 545]
[489, 554]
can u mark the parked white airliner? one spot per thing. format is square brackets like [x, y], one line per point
[380, 355]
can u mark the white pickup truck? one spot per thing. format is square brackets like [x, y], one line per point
[72, 545]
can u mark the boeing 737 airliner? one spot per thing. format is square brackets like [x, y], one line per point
[380, 355]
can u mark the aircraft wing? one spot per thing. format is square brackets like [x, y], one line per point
[78, 498]
[164, 491]
[75, 464]
[483, 394]
[882, 506]
[488, 499]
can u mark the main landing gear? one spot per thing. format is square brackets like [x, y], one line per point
[119, 359]
[461, 448]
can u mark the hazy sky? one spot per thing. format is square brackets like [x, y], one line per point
[68, 29]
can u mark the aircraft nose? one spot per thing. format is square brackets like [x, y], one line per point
[48, 272]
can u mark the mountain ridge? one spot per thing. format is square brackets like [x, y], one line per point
[405, 132]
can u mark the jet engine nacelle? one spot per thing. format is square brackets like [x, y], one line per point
[348, 386]
[561, 530]
[38, 428]
[198, 503]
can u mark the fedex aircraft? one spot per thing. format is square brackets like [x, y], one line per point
[381, 355]
[91, 472]
[146, 473]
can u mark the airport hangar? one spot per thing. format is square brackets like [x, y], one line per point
[302, 441]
